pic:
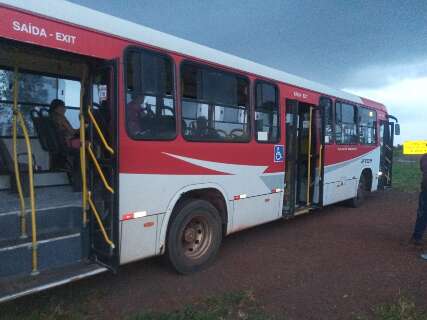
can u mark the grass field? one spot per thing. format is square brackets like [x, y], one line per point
[230, 306]
[406, 173]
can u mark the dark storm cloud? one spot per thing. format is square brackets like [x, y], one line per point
[326, 41]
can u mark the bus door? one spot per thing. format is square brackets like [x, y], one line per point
[102, 166]
[386, 153]
[300, 172]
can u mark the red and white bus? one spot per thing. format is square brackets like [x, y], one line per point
[179, 145]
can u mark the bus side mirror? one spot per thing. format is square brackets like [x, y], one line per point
[397, 129]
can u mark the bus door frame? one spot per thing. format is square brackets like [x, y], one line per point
[386, 153]
[291, 147]
[100, 251]
[292, 127]
[323, 100]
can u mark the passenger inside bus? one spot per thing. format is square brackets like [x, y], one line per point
[68, 134]
[200, 129]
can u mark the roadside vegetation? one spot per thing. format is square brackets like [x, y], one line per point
[231, 306]
[403, 309]
[406, 172]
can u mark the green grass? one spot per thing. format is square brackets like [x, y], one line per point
[230, 306]
[71, 305]
[406, 174]
[68, 303]
[402, 309]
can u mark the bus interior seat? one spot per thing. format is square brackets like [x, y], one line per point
[62, 158]
[6, 162]
[166, 125]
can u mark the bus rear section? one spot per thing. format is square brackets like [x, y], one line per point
[58, 209]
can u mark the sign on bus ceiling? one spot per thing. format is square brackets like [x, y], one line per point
[415, 147]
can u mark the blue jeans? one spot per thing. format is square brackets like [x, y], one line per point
[421, 223]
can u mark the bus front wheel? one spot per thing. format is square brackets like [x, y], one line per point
[194, 236]
[358, 200]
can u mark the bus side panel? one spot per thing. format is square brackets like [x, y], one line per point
[155, 194]
[342, 178]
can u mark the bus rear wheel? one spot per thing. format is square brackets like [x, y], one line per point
[194, 236]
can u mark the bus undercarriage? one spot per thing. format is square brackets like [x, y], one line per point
[58, 206]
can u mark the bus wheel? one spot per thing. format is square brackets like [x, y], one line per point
[358, 200]
[194, 236]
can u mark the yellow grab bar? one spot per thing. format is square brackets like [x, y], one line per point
[15, 158]
[98, 168]
[309, 158]
[18, 118]
[98, 219]
[98, 130]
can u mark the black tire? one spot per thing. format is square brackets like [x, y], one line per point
[358, 200]
[194, 236]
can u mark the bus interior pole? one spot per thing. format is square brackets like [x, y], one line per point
[20, 119]
[83, 148]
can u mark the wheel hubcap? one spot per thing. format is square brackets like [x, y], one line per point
[196, 237]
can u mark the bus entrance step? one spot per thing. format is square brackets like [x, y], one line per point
[49, 220]
[16, 287]
[52, 251]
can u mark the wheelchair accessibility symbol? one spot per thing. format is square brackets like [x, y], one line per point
[279, 151]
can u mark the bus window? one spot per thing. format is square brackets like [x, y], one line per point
[266, 113]
[150, 107]
[345, 123]
[367, 126]
[36, 91]
[329, 120]
[215, 105]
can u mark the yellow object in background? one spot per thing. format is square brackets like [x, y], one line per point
[415, 147]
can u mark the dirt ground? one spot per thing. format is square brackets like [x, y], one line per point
[335, 263]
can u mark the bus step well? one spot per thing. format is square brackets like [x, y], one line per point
[58, 236]
[50, 220]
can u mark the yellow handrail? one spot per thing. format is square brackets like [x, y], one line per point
[15, 159]
[98, 219]
[98, 168]
[83, 151]
[98, 130]
[309, 158]
[18, 118]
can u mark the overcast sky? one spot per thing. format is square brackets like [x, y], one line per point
[377, 49]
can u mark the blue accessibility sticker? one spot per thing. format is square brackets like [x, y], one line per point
[279, 153]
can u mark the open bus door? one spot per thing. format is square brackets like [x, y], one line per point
[302, 154]
[291, 120]
[387, 132]
[102, 166]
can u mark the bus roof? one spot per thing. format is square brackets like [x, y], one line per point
[89, 18]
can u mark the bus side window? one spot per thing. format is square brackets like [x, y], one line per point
[327, 106]
[215, 104]
[345, 123]
[367, 125]
[150, 105]
[266, 112]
